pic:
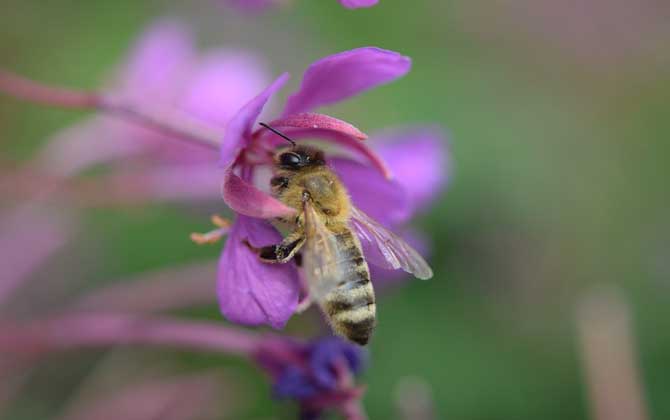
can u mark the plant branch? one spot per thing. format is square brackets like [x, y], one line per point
[99, 330]
[166, 120]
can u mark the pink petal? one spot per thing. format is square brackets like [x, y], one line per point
[157, 65]
[251, 292]
[244, 198]
[355, 4]
[319, 122]
[69, 151]
[384, 200]
[240, 127]
[159, 290]
[419, 159]
[346, 74]
[222, 83]
[173, 182]
[160, 398]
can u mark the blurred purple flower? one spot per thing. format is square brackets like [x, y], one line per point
[245, 292]
[151, 399]
[158, 290]
[166, 72]
[27, 239]
[319, 374]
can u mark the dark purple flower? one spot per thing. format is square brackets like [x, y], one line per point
[319, 375]
[246, 148]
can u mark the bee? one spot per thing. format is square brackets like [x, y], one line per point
[325, 235]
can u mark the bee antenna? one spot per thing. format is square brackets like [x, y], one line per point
[279, 133]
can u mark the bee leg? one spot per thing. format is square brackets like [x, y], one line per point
[280, 253]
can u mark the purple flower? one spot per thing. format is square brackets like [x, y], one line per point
[144, 399]
[163, 72]
[319, 374]
[28, 237]
[248, 291]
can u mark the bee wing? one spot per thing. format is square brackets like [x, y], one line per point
[323, 262]
[395, 252]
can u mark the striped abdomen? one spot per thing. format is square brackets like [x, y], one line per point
[350, 307]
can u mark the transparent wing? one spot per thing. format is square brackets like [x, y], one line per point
[386, 249]
[323, 262]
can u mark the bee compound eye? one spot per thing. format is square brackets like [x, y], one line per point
[290, 159]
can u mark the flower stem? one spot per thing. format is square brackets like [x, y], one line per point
[28, 90]
[99, 330]
[165, 120]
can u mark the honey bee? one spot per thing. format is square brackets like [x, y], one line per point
[324, 233]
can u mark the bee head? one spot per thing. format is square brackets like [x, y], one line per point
[296, 157]
[299, 157]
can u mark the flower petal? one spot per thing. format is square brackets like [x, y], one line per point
[315, 121]
[355, 4]
[294, 383]
[159, 290]
[150, 399]
[172, 182]
[346, 74]
[156, 66]
[238, 131]
[384, 200]
[27, 239]
[252, 292]
[326, 353]
[246, 199]
[68, 152]
[223, 82]
[418, 157]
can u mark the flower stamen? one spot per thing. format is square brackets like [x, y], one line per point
[213, 236]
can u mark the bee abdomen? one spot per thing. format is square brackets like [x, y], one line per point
[351, 306]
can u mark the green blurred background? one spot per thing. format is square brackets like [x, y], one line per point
[558, 125]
